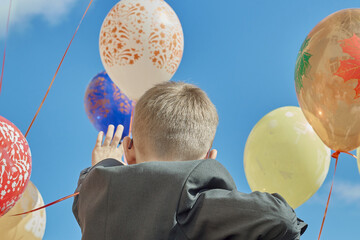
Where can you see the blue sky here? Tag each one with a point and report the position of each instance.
(242, 53)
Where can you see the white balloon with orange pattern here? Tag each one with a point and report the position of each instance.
(30, 226)
(141, 44)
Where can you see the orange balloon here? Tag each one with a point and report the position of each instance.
(327, 79)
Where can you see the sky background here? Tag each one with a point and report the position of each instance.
(242, 53)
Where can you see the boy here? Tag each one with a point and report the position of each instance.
(164, 192)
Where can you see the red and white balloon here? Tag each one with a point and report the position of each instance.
(15, 165)
(141, 44)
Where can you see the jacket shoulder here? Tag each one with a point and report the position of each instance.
(206, 175)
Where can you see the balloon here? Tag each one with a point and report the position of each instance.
(30, 226)
(284, 155)
(327, 79)
(106, 104)
(358, 158)
(141, 44)
(15, 165)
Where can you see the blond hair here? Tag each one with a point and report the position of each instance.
(176, 121)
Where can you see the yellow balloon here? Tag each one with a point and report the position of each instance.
(30, 226)
(284, 155)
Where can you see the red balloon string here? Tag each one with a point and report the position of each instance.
(42, 102)
(47, 205)
(349, 154)
(77, 193)
(336, 156)
(57, 70)
(6, 35)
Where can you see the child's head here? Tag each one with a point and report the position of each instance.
(172, 121)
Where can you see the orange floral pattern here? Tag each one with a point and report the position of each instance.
(123, 25)
(95, 98)
(106, 104)
(125, 105)
(135, 30)
(166, 41)
(98, 101)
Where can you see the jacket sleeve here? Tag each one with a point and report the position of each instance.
(213, 209)
(83, 174)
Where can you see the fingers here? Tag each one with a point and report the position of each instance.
(117, 137)
(213, 154)
(99, 139)
(109, 135)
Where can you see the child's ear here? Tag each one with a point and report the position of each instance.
(212, 154)
(129, 150)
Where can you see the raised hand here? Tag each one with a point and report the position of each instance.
(110, 147)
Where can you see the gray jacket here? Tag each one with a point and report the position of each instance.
(188, 200)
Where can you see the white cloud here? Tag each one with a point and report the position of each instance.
(344, 193)
(347, 191)
(24, 11)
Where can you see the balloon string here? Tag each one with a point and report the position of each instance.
(57, 70)
(42, 102)
(76, 193)
(336, 156)
(6, 35)
(47, 205)
(348, 154)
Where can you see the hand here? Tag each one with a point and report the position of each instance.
(110, 148)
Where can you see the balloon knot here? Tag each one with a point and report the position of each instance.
(336, 154)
